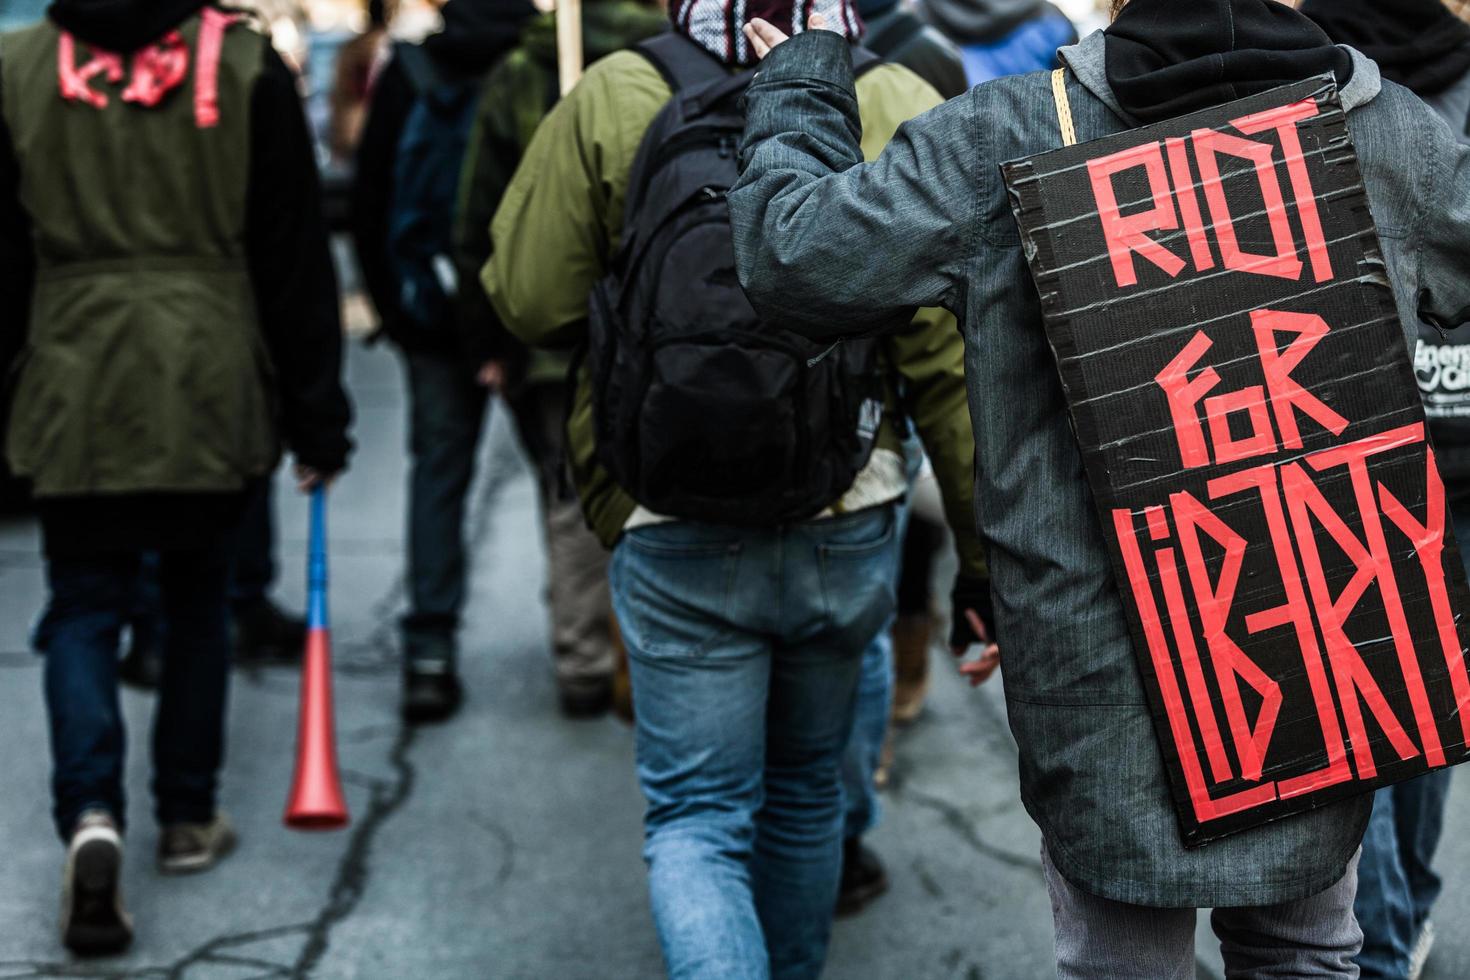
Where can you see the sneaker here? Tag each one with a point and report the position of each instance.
(1422, 946)
(267, 634)
(142, 666)
(863, 878)
(430, 695)
(586, 700)
(93, 920)
(187, 848)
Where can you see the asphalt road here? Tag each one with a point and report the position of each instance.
(506, 844)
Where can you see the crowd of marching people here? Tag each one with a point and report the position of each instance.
(744, 286)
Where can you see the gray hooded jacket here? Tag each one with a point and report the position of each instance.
(832, 246)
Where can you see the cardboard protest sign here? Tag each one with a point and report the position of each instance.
(1240, 384)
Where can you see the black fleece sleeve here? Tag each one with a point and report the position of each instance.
(17, 263)
(372, 188)
(291, 268)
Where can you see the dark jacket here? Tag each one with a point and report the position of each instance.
(898, 34)
(822, 239)
(290, 303)
(516, 96)
(476, 34)
(997, 38)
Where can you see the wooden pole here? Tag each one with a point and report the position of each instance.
(568, 43)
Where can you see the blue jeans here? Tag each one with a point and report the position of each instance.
(1396, 884)
(745, 648)
(446, 415)
(91, 600)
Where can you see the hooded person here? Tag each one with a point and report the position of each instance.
(896, 32)
(1423, 46)
(745, 643)
(997, 38)
(173, 330)
(823, 239)
(406, 195)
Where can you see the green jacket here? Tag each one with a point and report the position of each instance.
(144, 368)
(558, 227)
(516, 96)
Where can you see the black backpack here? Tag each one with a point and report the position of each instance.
(702, 410)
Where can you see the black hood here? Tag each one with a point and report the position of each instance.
(121, 25)
(477, 32)
(1169, 57)
(1417, 43)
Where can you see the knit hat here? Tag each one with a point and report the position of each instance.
(715, 25)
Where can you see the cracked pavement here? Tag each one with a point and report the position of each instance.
(506, 844)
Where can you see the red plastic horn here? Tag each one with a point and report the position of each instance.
(316, 801)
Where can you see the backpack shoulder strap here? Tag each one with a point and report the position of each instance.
(417, 66)
(864, 60)
(900, 30)
(681, 62)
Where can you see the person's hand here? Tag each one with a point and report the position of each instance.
(763, 35)
(983, 667)
(491, 375)
(309, 478)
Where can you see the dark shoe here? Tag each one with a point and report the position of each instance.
(430, 697)
(266, 634)
(187, 848)
(141, 666)
(93, 920)
(586, 700)
(863, 878)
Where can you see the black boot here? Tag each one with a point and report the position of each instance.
(863, 878)
(430, 697)
(142, 665)
(585, 700)
(267, 634)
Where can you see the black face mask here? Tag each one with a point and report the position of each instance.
(1166, 58)
(121, 26)
(1417, 43)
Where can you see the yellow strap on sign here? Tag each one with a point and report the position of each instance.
(1064, 106)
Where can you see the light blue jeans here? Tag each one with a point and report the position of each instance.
(745, 647)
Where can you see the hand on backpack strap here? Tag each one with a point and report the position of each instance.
(972, 614)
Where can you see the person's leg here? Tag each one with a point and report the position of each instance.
(700, 678)
(836, 583)
(869, 727)
(447, 410)
(254, 567)
(189, 726)
(1097, 937)
(1315, 936)
(577, 590)
(78, 634)
(1384, 904)
(1419, 806)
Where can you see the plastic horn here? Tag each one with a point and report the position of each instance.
(316, 801)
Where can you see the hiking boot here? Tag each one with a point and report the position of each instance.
(93, 920)
(430, 696)
(863, 878)
(911, 634)
(187, 848)
(587, 699)
(267, 634)
(142, 666)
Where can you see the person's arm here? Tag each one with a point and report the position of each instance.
(560, 219)
(372, 187)
(829, 246)
(490, 161)
(291, 269)
(1444, 235)
(17, 262)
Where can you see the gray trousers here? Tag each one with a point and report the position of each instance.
(1099, 939)
(577, 591)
